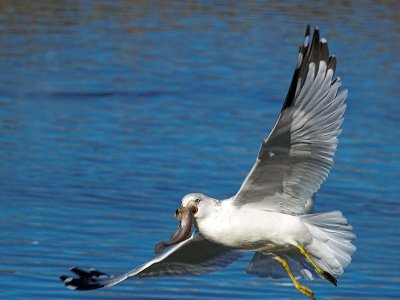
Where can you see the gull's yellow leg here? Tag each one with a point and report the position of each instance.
(301, 288)
(320, 271)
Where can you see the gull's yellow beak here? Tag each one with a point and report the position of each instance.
(177, 212)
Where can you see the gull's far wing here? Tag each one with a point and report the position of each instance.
(265, 266)
(298, 154)
(194, 256)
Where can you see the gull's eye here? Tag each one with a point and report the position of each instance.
(197, 201)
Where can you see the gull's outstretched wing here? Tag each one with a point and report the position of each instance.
(298, 154)
(194, 256)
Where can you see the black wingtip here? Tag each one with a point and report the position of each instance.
(80, 272)
(314, 47)
(307, 30)
(303, 48)
(332, 63)
(86, 280)
(313, 50)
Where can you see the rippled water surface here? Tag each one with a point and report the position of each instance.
(111, 111)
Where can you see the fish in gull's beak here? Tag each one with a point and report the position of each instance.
(185, 217)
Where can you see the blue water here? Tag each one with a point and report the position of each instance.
(111, 111)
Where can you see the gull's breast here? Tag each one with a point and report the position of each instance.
(255, 230)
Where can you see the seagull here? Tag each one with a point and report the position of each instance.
(270, 215)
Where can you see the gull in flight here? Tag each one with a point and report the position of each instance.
(270, 214)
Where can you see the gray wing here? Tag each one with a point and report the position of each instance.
(194, 256)
(298, 154)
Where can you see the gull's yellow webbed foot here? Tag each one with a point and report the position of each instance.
(320, 271)
(301, 288)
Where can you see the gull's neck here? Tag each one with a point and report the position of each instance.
(213, 226)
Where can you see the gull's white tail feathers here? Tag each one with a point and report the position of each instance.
(331, 246)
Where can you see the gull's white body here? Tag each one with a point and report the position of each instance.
(252, 229)
(326, 236)
(269, 215)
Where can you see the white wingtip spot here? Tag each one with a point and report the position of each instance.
(67, 281)
(299, 60)
(306, 40)
(323, 40)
